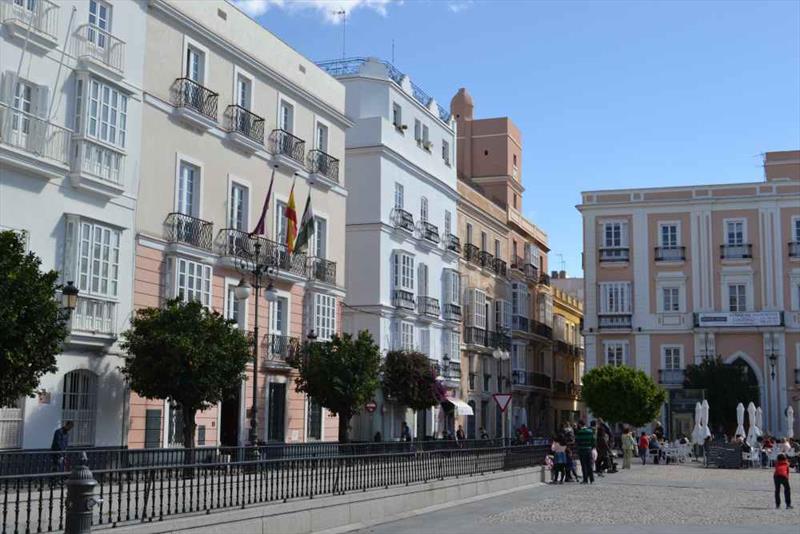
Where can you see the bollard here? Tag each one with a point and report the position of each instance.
(80, 498)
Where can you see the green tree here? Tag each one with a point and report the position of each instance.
(340, 374)
(409, 379)
(725, 385)
(185, 353)
(33, 326)
(622, 394)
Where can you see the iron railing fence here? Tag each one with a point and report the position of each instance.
(243, 121)
(187, 93)
(182, 228)
(287, 144)
(324, 164)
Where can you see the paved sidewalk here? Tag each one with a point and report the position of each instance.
(653, 499)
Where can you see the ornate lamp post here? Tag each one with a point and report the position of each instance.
(261, 269)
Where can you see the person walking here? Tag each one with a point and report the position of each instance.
(60, 444)
(405, 432)
(584, 441)
(559, 448)
(644, 445)
(628, 446)
(781, 478)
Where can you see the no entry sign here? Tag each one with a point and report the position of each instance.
(371, 406)
(502, 400)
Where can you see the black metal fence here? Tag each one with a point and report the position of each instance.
(35, 503)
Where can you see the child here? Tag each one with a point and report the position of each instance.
(781, 478)
(560, 450)
(644, 445)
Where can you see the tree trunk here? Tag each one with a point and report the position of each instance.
(344, 423)
(189, 426)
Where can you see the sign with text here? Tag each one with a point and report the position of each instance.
(734, 319)
(502, 400)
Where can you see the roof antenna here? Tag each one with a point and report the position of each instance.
(342, 13)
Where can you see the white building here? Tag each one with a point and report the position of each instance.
(402, 280)
(70, 108)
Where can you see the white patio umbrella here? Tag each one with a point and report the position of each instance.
(789, 422)
(759, 421)
(740, 419)
(751, 424)
(706, 430)
(697, 436)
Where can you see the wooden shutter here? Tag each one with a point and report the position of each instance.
(469, 305)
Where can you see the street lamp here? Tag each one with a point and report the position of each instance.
(773, 358)
(261, 270)
(69, 297)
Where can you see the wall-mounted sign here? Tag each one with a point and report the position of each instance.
(722, 319)
(371, 406)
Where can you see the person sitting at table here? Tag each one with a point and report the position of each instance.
(784, 446)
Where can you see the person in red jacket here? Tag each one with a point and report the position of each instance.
(644, 445)
(781, 478)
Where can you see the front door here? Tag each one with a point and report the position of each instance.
(276, 412)
(229, 421)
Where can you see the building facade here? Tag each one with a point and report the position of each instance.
(402, 254)
(227, 105)
(70, 131)
(517, 315)
(567, 353)
(673, 275)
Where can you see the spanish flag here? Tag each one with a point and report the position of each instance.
(291, 222)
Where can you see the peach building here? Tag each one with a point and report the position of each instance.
(226, 104)
(675, 274)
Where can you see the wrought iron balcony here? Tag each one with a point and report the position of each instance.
(278, 347)
(41, 16)
(403, 299)
(499, 267)
(428, 306)
(670, 253)
(518, 322)
(429, 232)
(98, 45)
(452, 312)
(452, 371)
(94, 315)
(561, 347)
(238, 243)
(486, 260)
(614, 321)
(794, 249)
(322, 270)
(452, 243)
(736, 252)
(670, 377)
(34, 135)
(233, 242)
(323, 164)
(531, 272)
(521, 377)
(472, 253)
(614, 254)
(294, 263)
(182, 228)
(244, 122)
(188, 94)
(403, 219)
(541, 329)
(500, 340)
(476, 336)
(544, 279)
(284, 143)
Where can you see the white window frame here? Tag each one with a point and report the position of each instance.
(231, 303)
(250, 79)
(12, 424)
(448, 223)
(794, 230)
(198, 194)
(452, 287)
(621, 350)
(321, 125)
(669, 350)
(403, 271)
(666, 224)
(399, 196)
(82, 410)
(729, 295)
(624, 238)
(670, 299)
(103, 106)
(397, 115)
(284, 102)
(406, 335)
(236, 181)
(323, 324)
(733, 220)
(196, 271)
(205, 74)
(737, 277)
(623, 303)
(794, 281)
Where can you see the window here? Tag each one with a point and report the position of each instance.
(668, 235)
(502, 315)
(484, 240)
(322, 137)
(469, 234)
(398, 196)
(403, 271)
(192, 281)
(11, 424)
(615, 297)
(188, 189)
(452, 286)
(616, 352)
(239, 201)
(406, 336)
(476, 308)
(532, 254)
(451, 345)
(796, 229)
(425, 138)
(319, 239)
(446, 152)
(737, 297)
(487, 374)
(670, 299)
(397, 115)
(280, 222)
(423, 209)
(615, 234)
(545, 301)
(195, 64)
(314, 422)
(516, 204)
(106, 113)
(324, 315)
(496, 248)
(425, 342)
(79, 405)
(515, 160)
(422, 284)
(734, 232)
(23, 99)
(286, 117)
(244, 91)
(100, 19)
(175, 425)
(417, 131)
(234, 309)
(448, 223)
(518, 360)
(519, 299)
(97, 250)
(279, 320)
(672, 358)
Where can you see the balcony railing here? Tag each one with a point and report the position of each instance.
(518, 322)
(452, 371)
(322, 270)
(670, 253)
(531, 272)
(283, 143)
(429, 232)
(452, 243)
(794, 249)
(99, 45)
(321, 163)
(476, 336)
(403, 219)
(452, 312)
(242, 121)
(541, 329)
(187, 93)
(233, 242)
(614, 321)
(612, 254)
(428, 306)
(670, 377)
(486, 260)
(403, 299)
(517, 262)
(98, 161)
(94, 315)
(33, 134)
(41, 15)
(561, 347)
(472, 253)
(279, 346)
(181, 228)
(499, 267)
(544, 279)
(238, 243)
(736, 252)
(521, 377)
(500, 340)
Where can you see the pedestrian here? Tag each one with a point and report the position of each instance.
(484, 434)
(584, 441)
(572, 475)
(460, 434)
(644, 445)
(405, 433)
(559, 448)
(781, 478)
(602, 450)
(628, 447)
(524, 434)
(60, 444)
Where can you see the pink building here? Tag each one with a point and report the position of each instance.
(675, 274)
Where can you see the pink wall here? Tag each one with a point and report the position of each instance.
(753, 233)
(653, 219)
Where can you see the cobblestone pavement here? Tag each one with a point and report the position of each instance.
(652, 499)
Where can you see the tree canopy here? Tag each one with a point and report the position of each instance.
(409, 379)
(185, 353)
(622, 394)
(340, 374)
(33, 324)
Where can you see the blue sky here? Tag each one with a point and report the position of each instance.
(607, 94)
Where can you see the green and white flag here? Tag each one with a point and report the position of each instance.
(306, 226)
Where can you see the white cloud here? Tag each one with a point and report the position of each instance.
(457, 6)
(327, 8)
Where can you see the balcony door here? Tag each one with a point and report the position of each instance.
(237, 216)
(276, 411)
(279, 317)
(188, 185)
(21, 116)
(322, 138)
(100, 23)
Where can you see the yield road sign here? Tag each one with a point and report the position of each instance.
(502, 400)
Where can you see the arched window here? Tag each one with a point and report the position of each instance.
(79, 405)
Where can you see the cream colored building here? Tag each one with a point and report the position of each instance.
(676, 274)
(225, 103)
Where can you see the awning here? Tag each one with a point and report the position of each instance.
(462, 408)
